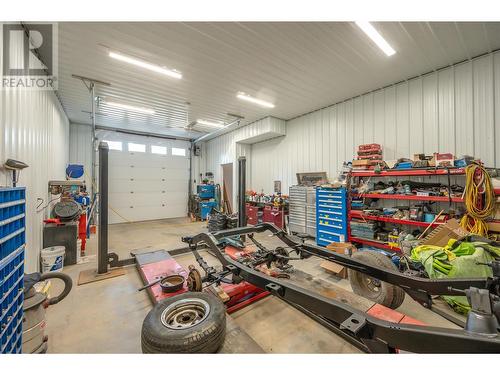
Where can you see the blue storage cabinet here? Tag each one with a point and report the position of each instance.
(331, 215)
(12, 242)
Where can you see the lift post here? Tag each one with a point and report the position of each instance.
(108, 264)
(242, 171)
(102, 239)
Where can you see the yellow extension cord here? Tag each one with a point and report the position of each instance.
(473, 220)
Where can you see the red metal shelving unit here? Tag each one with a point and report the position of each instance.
(374, 243)
(409, 197)
(399, 173)
(359, 215)
(409, 172)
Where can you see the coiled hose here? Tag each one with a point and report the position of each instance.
(480, 199)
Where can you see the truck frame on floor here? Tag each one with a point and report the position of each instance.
(479, 336)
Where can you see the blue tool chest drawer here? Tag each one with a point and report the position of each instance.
(331, 215)
(12, 240)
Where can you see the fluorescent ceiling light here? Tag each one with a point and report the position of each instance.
(210, 123)
(127, 107)
(248, 98)
(374, 35)
(145, 65)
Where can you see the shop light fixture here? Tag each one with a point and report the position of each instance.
(248, 98)
(128, 107)
(210, 123)
(145, 65)
(374, 35)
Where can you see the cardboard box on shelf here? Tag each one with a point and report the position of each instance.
(442, 160)
(443, 233)
(345, 248)
(337, 269)
(361, 163)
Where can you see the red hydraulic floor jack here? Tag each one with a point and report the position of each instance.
(158, 264)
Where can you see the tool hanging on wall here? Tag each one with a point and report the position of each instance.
(15, 166)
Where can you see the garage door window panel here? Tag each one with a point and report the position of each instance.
(178, 151)
(114, 145)
(158, 150)
(136, 147)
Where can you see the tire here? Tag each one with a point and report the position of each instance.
(193, 322)
(378, 291)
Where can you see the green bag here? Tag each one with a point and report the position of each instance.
(461, 262)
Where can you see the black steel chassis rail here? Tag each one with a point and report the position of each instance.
(378, 335)
(419, 288)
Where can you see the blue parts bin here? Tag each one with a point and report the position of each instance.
(404, 165)
(12, 242)
(331, 215)
(206, 191)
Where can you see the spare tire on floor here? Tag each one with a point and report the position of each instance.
(193, 322)
(378, 291)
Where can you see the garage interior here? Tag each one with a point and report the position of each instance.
(251, 187)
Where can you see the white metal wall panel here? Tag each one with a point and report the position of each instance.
(325, 121)
(229, 146)
(330, 131)
(341, 136)
(416, 123)
(464, 109)
(378, 118)
(368, 135)
(496, 74)
(446, 105)
(80, 147)
(390, 141)
(358, 121)
(349, 121)
(402, 134)
(453, 110)
(431, 118)
(484, 140)
(35, 130)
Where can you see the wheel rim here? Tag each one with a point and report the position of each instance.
(185, 313)
(372, 285)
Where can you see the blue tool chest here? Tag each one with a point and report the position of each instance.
(331, 215)
(12, 241)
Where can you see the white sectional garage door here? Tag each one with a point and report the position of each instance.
(146, 185)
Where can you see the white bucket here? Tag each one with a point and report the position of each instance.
(52, 258)
(78, 251)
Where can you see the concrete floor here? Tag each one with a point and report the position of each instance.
(106, 316)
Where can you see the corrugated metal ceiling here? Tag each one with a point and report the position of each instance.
(298, 66)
